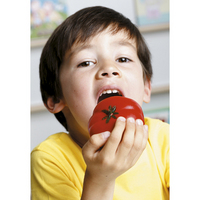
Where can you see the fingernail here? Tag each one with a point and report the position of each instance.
(139, 122)
(146, 127)
(122, 119)
(106, 134)
(131, 119)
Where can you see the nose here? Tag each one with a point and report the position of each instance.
(108, 71)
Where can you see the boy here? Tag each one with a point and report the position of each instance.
(95, 51)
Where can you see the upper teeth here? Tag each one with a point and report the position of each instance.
(109, 92)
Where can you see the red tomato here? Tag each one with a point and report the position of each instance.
(108, 110)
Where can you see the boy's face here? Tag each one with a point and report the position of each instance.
(105, 62)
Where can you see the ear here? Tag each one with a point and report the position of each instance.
(147, 91)
(54, 107)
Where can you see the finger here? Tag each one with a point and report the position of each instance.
(137, 152)
(138, 140)
(95, 142)
(128, 138)
(115, 137)
(146, 136)
(139, 135)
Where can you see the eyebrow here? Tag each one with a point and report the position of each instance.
(124, 43)
(78, 49)
(88, 46)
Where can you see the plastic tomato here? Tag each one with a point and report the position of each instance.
(108, 110)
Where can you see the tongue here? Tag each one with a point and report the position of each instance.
(105, 96)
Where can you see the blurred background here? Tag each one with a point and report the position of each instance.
(151, 17)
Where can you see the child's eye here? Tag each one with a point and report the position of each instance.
(86, 64)
(123, 59)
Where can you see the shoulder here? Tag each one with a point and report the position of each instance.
(158, 133)
(57, 163)
(156, 123)
(59, 139)
(158, 137)
(157, 127)
(58, 146)
(159, 144)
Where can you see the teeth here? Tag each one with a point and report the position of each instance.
(104, 92)
(114, 91)
(109, 92)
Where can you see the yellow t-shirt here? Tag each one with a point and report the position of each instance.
(57, 169)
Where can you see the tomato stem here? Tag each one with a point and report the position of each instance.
(110, 113)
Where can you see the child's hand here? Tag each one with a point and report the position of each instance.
(121, 150)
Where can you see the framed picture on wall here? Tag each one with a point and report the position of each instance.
(152, 14)
(46, 15)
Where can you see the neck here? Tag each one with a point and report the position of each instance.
(79, 141)
(77, 133)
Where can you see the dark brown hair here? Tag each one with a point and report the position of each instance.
(79, 27)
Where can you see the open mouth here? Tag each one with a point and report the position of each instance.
(109, 93)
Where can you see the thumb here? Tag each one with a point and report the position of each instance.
(95, 142)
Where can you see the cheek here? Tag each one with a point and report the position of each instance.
(74, 91)
(135, 84)
(71, 84)
(134, 78)
(77, 93)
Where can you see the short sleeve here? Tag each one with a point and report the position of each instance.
(167, 170)
(49, 180)
(165, 149)
(159, 139)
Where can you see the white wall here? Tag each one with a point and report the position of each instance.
(44, 124)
